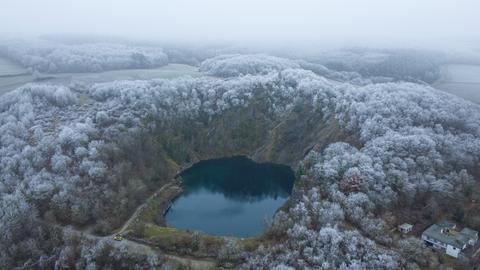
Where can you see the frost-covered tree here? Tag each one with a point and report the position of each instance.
(91, 160)
(51, 57)
(240, 64)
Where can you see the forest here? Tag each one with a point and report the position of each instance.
(84, 156)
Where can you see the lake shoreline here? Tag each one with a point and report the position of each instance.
(230, 196)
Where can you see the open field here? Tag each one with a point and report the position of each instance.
(8, 68)
(460, 80)
(9, 82)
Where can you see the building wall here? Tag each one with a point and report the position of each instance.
(435, 243)
(452, 251)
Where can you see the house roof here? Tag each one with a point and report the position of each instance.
(472, 234)
(447, 224)
(452, 237)
(406, 226)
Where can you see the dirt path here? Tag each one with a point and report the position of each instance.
(141, 207)
(186, 261)
(193, 263)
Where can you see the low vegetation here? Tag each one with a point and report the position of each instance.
(362, 150)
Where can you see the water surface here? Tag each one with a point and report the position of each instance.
(230, 196)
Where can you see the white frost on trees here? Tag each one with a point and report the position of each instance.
(412, 141)
(239, 64)
(50, 57)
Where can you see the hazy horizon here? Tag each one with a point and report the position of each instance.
(239, 134)
(272, 23)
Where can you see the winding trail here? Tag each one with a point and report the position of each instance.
(186, 261)
(141, 207)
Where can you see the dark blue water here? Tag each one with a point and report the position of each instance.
(230, 196)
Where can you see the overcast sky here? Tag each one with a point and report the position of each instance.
(247, 20)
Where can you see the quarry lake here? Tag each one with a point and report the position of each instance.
(230, 196)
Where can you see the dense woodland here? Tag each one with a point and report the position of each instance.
(50, 57)
(86, 155)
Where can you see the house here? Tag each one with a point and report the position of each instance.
(445, 236)
(405, 228)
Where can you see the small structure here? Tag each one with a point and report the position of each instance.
(405, 228)
(445, 236)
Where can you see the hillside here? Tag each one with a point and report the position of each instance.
(365, 153)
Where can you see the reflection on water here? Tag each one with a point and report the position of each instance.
(230, 196)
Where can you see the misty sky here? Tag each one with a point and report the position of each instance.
(246, 20)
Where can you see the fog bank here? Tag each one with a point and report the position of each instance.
(269, 22)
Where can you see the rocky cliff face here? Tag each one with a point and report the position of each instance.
(90, 155)
(255, 132)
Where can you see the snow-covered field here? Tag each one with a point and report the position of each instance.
(8, 68)
(461, 80)
(9, 83)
